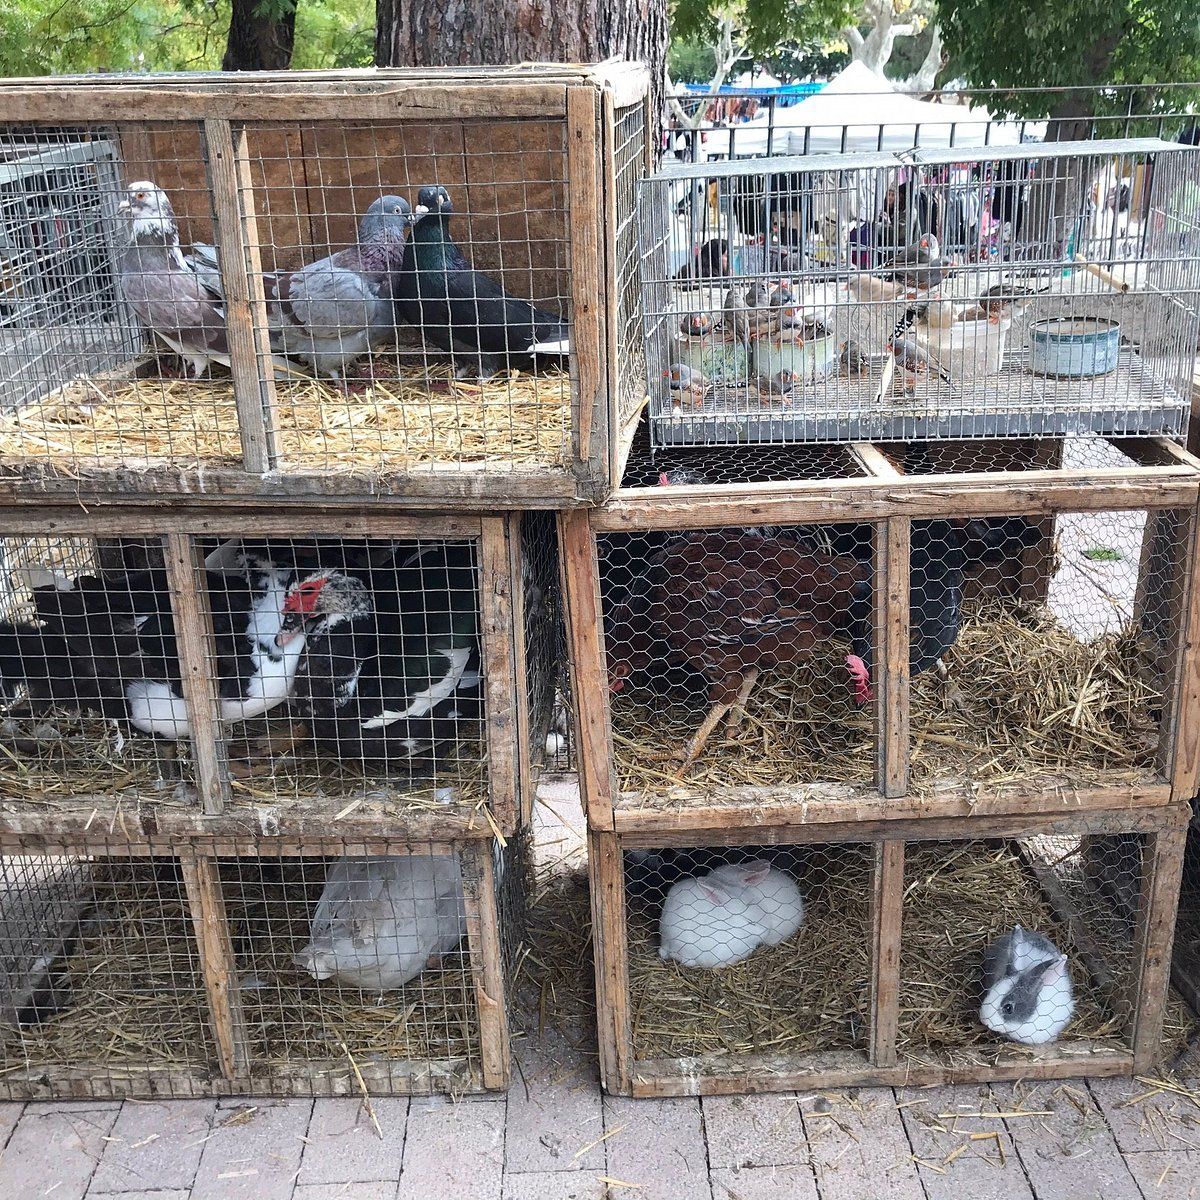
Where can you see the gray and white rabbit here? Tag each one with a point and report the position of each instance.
(381, 921)
(1027, 988)
(723, 917)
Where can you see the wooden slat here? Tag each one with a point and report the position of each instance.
(207, 904)
(236, 233)
(664, 1077)
(1163, 868)
(499, 670)
(822, 805)
(192, 616)
(868, 499)
(589, 674)
(769, 830)
(487, 964)
(587, 316)
(526, 782)
(1038, 561)
(891, 621)
(887, 914)
(1179, 755)
(874, 461)
(611, 953)
(610, 453)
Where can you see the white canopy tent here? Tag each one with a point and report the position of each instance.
(858, 111)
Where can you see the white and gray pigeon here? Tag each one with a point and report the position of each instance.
(333, 311)
(168, 297)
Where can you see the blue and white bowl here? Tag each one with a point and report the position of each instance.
(1074, 346)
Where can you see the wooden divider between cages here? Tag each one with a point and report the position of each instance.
(588, 322)
(503, 673)
(236, 232)
(1164, 827)
(891, 623)
(487, 962)
(1179, 754)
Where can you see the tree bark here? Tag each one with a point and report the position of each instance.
(436, 33)
(261, 35)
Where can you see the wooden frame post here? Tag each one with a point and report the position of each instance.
(587, 316)
(1162, 869)
(891, 624)
(487, 960)
(192, 615)
(202, 882)
(887, 916)
(1179, 753)
(589, 674)
(610, 951)
(522, 731)
(500, 675)
(237, 239)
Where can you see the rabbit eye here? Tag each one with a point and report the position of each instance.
(1006, 1008)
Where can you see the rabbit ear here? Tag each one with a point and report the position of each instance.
(715, 894)
(1018, 935)
(756, 872)
(1055, 969)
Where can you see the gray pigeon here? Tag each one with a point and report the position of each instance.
(333, 311)
(166, 294)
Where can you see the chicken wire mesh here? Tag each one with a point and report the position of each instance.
(1009, 946)
(759, 951)
(410, 287)
(319, 970)
(345, 671)
(973, 293)
(1042, 648)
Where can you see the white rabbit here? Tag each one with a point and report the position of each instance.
(721, 918)
(1027, 988)
(380, 920)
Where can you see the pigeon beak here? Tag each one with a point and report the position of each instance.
(124, 206)
(420, 210)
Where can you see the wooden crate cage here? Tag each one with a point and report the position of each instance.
(1057, 580)
(199, 967)
(167, 663)
(777, 957)
(538, 165)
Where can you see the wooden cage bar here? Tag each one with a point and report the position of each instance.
(235, 1061)
(880, 1062)
(1160, 478)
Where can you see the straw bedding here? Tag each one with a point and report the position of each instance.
(392, 424)
(1024, 701)
(135, 995)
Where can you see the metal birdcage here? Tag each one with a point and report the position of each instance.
(1031, 290)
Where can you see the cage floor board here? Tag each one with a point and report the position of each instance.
(1012, 402)
(383, 425)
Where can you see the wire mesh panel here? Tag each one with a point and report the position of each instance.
(334, 295)
(976, 293)
(298, 675)
(750, 959)
(101, 988)
(324, 968)
(1023, 949)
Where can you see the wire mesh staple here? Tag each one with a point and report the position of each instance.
(322, 968)
(354, 301)
(1046, 289)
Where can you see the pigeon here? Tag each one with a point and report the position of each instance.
(333, 311)
(461, 310)
(686, 383)
(919, 266)
(912, 359)
(852, 362)
(169, 298)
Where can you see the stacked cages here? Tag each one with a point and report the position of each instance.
(913, 951)
(990, 292)
(927, 627)
(379, 668)
(347, 286)
(323, 966)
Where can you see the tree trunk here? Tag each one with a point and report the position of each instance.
(261, 34)
(436, 33)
